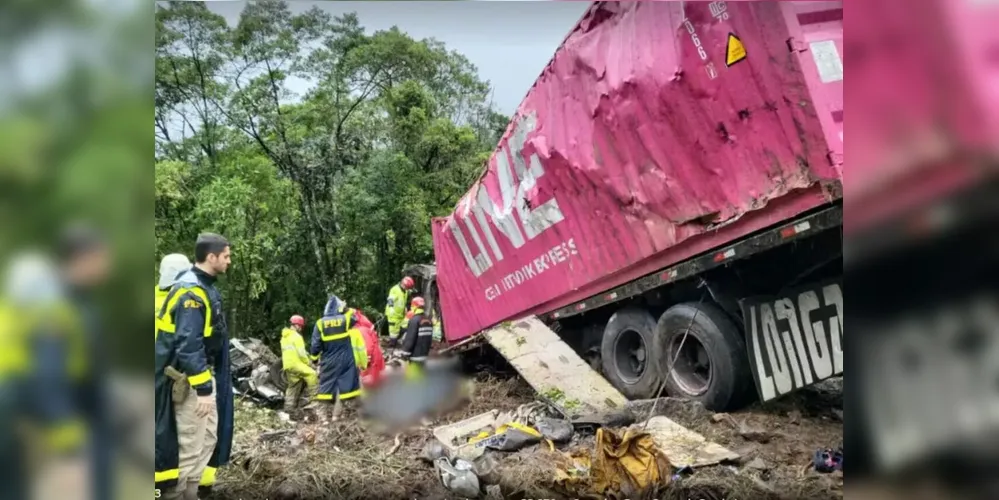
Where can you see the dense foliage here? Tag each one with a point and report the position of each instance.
(327, 190)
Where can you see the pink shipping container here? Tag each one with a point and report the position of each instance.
(658, 131)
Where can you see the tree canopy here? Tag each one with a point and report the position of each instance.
(321, 151)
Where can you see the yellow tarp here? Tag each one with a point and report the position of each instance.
(625, 463)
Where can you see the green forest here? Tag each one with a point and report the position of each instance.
(326, 190)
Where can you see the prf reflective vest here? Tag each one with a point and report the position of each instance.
(175, 348)
(330, 331)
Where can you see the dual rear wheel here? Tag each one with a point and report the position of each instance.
(708, 364)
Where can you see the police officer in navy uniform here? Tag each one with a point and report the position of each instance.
(339, 347)
(194, 410)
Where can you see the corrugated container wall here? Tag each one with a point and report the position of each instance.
(658, 131)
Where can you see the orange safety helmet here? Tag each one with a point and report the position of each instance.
(407, 283)
(298, 320)
(417, 302)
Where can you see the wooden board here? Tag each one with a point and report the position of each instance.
(552, 368)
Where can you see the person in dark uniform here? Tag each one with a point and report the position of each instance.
(418, 339)
(339, 348)
(193, 425)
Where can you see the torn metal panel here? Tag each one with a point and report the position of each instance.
(659, 130)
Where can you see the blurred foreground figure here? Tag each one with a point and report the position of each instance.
(85, 261)
(42, 361)
(193, 431)
(342, 356)
(295, 362)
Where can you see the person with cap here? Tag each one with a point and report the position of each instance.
(341, 353)
(395, 308)
(419, 338)
(298, 371)
(194, 431)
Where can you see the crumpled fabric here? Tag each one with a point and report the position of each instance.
(628, 463)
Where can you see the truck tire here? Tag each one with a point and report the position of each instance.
(713, 365)
(626, 353)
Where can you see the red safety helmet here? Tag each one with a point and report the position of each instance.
(298, 320)
(407, 282)
(417, 302)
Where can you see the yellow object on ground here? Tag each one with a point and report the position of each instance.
(627, 463)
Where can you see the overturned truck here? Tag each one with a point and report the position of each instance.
(667, 199)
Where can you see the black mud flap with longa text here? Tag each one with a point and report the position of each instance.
(795, 339)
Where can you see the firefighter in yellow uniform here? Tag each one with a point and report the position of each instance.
(395, 309)
(295, 361)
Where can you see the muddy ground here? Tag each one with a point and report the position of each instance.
(275, 459)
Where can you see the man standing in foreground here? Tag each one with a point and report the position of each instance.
(395, 309)
(192, 338)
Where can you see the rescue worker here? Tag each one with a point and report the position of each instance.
(419, 338)
(370, 376)
(85, 263)
(298, 370)
(193, 428)
(170, 268)
(395, 309)
(340, 350)
(43, 367)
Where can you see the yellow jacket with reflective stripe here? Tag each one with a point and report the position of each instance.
(395, 307)
(17, 326)
(360, 349)
(161, 296)
(294, 358)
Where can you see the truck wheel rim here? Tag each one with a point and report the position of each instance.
(630, 356)
(692, 370)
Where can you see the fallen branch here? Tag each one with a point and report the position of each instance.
(398, 443)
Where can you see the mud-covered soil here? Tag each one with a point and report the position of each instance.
(276, 459)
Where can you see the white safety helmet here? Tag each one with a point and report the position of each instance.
(170, 267)
(32, 278)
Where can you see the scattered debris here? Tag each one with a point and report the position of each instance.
(557, 430)
(275, 457)
(826, 460)
(459, 477)
(395, 447)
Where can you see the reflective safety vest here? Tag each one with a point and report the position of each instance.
(161, 296)
(167, 447)
(164, 319)
(331, 329)
(18, 325)
(294, 358)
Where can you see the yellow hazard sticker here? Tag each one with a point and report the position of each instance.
(735, 51)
